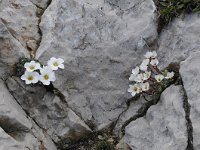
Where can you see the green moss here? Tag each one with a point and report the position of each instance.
(19, 67)
(168, 9)
(104, 145)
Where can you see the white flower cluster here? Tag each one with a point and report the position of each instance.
(147, 73)
(35, 73)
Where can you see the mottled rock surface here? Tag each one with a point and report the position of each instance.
(41, 4)
(97, 39)
(179, 39)
(49, 111)
(163, 127)
(100, 41)
(20, 19)
(10, 51)
(17, 130)
(190, 72)
(126, 115)
(122, 145)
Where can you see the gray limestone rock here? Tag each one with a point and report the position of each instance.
(100, 42)
(190, 72)
(17, 130)
(10, 51)
(49, 111)
(163, 127)
(126, 115)
(19, 16)
(42, 4)
(179, 39)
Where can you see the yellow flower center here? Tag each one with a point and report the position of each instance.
(32, 67)
(135, 89)
(46, 77)
(55, 64)
(30, 78)
(159, 79)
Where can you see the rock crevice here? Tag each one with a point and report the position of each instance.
(187, 108)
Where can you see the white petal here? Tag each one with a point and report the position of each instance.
(35, 80)
(45, 70)
(133, 93)
(27, 82)
(35, 74)
(145, 86)
(139, 90)
(159, 77)
(132, 77)
(143, 67)
(53, 67)
(60, 60)
(37, 66)
(46, 82)
(49, 63)
(53, 59)
(52, 77)
(26, 65)
(170, 75)
(148, 54)
(32, 62)
(130, 90)
(154, 54)
(136, 70)
(23, 77)
(61, 66)
(29, 70)
(130, 86)
(27, 73)
(41, 78)
(154, 62)
(145, 62)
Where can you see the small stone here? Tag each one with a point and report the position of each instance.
(100, 137)
(122, 145)
(32, 45)
(110, 140)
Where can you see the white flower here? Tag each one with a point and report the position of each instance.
(159, 77)
(55, 63)
(146, 75)
(149, 55)
(30, 77)
(134, 89)
(31, 66)
(145, 62)
(132, 77)
(145, 86)
(135, 71)
(144, 65)
(47, 75)
(154, 54)
(154, 62)
(139, 78)
(169, 75)
(134, 74)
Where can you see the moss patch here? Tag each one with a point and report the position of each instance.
(19, 71)
(95, 141)
(168, 9)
